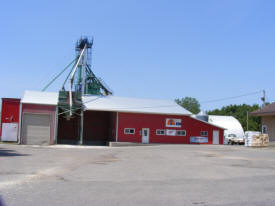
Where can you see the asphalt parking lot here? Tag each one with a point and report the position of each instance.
(145, 175)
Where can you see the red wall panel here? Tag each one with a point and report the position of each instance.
(41, 109)
(192, 126)
(10, 111)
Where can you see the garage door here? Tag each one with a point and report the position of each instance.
(36, 129)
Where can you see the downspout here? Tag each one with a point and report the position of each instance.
(20, 122)
(81, 126)
(117, 127)
(56, 125)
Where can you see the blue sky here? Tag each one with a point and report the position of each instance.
(149, 49)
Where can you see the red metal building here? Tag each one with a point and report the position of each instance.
(9, 119)
(151, 121)
(112, 119)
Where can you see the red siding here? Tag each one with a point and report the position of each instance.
(41, 109)
(10, 111)
(192, 126)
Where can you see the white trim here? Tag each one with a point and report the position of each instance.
(56, 126)
(160, 130)
(20, 122)
(181, 131)
(129, 129)
(116, 126)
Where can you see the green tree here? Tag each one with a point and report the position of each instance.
(189, 103)
(240, 112)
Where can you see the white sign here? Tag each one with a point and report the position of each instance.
(171, 132)
(199, 139)
(173, 122)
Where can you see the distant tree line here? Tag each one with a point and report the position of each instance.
(240, 112)
(237, 111)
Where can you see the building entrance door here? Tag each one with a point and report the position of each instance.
(215, 137)
(145, 135)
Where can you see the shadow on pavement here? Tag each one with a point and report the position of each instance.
(1, 202)
(9, 153)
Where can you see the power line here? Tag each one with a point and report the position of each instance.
(233, 97)
(58, 75)
(124, 108)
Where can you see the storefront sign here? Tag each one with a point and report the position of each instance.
(173, 122)
(171, 132)
(199, 139)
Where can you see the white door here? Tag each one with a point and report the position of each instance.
(145, 135)
(36, 129)
(215, 137)
(9, 132)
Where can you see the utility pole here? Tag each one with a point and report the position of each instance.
(263, 98)
(246, 120)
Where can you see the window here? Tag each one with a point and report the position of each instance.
(264, 129)
(129, 131)
(204, 133)
(160, 132)
(181, 133)
(232, 135)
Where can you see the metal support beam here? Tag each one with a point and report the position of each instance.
(81, 126)
(72, 78)
(83, 76)
(58, 75)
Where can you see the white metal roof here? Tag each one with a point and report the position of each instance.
(37, 97)
(231, 124)
(135, 105)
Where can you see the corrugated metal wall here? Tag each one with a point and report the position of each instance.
(192, 126)
(36, 109)
(36, 129)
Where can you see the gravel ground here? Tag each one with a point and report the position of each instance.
(145, 175)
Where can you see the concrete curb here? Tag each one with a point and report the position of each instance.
(128, 144)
